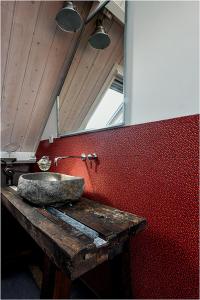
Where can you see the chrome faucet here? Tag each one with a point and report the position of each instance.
(83, 157)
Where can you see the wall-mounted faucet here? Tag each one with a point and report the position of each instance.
(83, 157)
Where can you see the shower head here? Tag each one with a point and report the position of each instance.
(68, 19)
(99, 39)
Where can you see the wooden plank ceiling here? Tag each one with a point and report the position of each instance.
(34, 58)
(88, 73)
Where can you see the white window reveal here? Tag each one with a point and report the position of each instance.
(110, 110)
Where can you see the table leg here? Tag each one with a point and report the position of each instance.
(121, 274)
(48, 279)
(55, 284)
(62, 288)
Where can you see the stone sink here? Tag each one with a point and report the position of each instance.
(48, 188)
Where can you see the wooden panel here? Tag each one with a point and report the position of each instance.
(41, 45)
(69, 247)
(87, 75)
(54, 240)
(35, 57)
(23, 28)
(107, 221)
(7, 11)
(59, 56)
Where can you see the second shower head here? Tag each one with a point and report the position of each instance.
(99, 39)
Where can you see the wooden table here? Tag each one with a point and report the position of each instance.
(76, 239)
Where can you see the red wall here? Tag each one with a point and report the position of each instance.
(150, 170)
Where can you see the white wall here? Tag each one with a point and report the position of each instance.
(162, 60)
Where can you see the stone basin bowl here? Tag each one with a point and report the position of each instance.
(46, 188)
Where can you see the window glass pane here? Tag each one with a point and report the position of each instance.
(106, 110)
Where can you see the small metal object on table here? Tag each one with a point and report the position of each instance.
(76, 239)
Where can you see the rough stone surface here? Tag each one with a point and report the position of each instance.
(50, 188)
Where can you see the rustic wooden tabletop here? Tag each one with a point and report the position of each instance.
(75, 237)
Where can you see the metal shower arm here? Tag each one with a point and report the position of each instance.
(101, 5)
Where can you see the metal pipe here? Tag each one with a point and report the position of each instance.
(83, 157)
(96, 11)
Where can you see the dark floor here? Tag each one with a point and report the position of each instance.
(20, 285)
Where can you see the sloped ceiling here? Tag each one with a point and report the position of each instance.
(35, 55)
(88, 76)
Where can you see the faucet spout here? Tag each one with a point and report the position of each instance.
(82, 157)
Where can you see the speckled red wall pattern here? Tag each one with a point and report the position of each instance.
(150, 170)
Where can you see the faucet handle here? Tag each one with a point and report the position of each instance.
(83, 156)
(92, 156)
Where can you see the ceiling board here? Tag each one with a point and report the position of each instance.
(38, 59)
(34, 55)
(87, 74)
(7, 11)
(24, 20)
(60, 55)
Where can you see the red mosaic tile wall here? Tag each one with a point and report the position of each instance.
(150, 170)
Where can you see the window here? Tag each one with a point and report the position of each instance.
(110, 109)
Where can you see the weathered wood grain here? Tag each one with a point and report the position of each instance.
(72, 251)
(108, 221)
